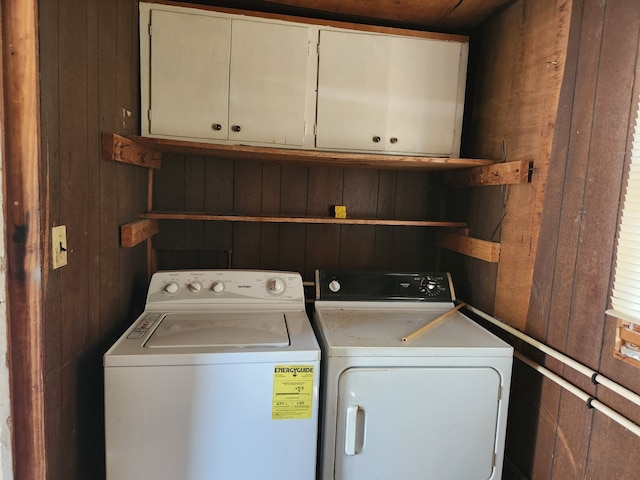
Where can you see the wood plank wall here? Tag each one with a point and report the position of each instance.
(551, 434)
(89, 84)
(573, 272)
(515, 74)
(201, 184)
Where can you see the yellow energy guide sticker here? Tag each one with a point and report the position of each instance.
(292, 392)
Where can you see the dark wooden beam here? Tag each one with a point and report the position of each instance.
(26, 235)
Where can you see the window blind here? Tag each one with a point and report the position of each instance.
(625, 298)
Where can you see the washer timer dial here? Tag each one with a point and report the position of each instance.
(276, 286)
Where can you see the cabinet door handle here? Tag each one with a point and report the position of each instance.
(376, 139)
(236, 128)
(216, 126)
(393, 140)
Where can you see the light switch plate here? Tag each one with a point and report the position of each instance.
(59, 246)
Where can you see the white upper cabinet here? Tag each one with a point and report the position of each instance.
(219, 78)
(189, 75)
(390, 94)
(234, 78)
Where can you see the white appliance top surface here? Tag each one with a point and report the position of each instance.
(178, 330)
(218, 316)
(377, 328)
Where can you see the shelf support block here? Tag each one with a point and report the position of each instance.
(508, 173)
(472, 247)
(122, 149)
(133, 233)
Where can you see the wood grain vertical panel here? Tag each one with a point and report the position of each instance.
(614, 112)
(194, 201)
(487, 205)
(293, 201)
(94, 158)
(109, 267)
(218, 195)
(74, 197)
(386, 208)
(127, 101)
(169, 195)
(247, 199)
(547, 280)
(52, 183)
(270, 234)
(592, 177)
(357, 244)
(24, 236)
(323, 241)
(413, 248)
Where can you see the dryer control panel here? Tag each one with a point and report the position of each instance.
(383, 286)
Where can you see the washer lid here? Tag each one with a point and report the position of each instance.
(220, 330)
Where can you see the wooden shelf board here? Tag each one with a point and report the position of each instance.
(297, 219)
(287, 155)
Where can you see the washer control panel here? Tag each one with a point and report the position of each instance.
(224, 287)
(382, 286)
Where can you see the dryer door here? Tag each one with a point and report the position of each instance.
(417, 422)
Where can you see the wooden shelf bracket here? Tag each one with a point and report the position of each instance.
(133, 233)
(508, 173)
(122, 149)
(472, 247)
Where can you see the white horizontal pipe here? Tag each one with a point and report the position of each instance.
(577, 366)
(585, 397)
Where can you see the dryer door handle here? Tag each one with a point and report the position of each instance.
(354, 430)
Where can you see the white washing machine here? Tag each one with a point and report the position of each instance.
(216, 380)
(434, 407)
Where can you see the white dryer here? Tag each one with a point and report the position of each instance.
(216, 380)
(431, 408)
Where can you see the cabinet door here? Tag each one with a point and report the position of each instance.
(268, 87)
(388, 93)
(423, 95)
(352, 91)
(422, 422)
(189, 75)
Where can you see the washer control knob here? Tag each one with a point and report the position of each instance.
(172, 288)
(217, 286)
(195, 287)
(334, 286)
(275, 286)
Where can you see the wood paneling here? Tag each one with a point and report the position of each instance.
(89, 76)
(272, 190)
(516, 89)
(89, 79)
(574, 255)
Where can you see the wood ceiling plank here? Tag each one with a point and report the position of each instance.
(435, 13)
